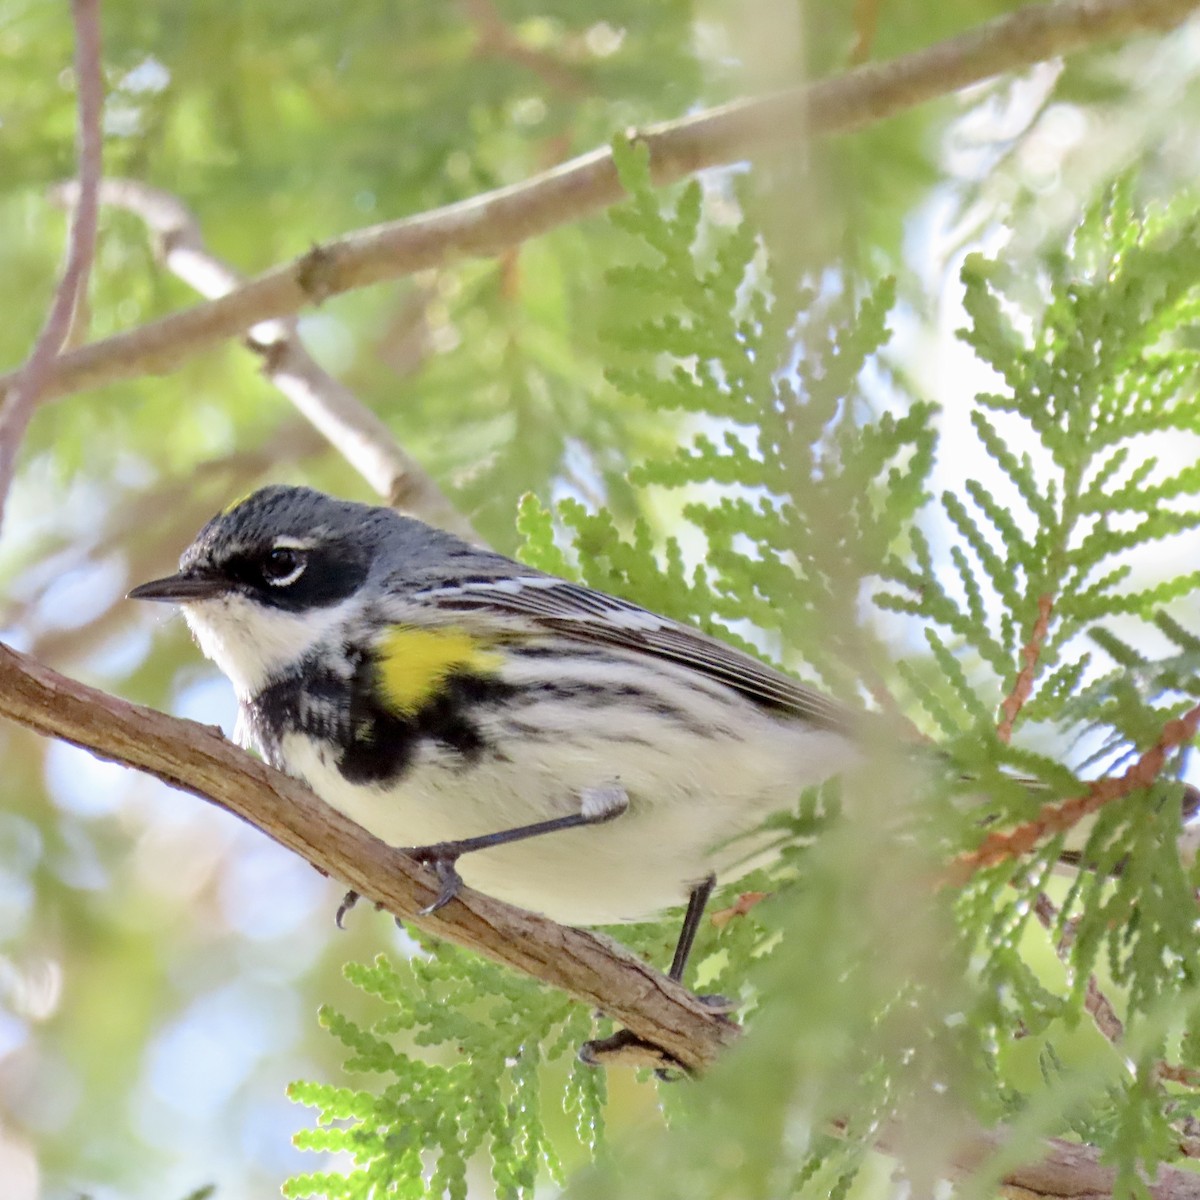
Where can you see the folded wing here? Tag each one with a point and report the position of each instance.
(575, 611)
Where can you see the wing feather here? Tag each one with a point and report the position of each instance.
(589, 616)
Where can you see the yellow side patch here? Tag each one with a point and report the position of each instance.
(414, 663)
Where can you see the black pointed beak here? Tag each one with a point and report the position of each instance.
(180, 589)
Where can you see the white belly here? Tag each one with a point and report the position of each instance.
(683, 808)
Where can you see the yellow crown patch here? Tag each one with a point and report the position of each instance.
(236, 503)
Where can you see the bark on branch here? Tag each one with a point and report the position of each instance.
(488, 224)
(353, 429)
(198, 759)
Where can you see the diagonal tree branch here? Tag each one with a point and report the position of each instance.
(198, 759)
(488, 224)
(352, 428)
(18, 401)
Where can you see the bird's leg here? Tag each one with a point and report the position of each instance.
(698, 899)
(597, 805)
(697, 902)
(624, 1046)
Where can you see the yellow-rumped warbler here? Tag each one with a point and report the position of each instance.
(450, 699)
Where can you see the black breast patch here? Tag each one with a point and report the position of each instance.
(370, 743)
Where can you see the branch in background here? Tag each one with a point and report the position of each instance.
(1065, 1171)
(1058, 818)
(1110, 1026)
(198, 759)
(350, 426)
(497, 40)
(1098, 1005)
(407, 340)
(488, 224)
(20, 398)
(866, 25)
(140, 531)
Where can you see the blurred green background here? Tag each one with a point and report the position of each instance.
(161, 964)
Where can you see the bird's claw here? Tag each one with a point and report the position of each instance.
(349, 900)
(443, 864)
(451, 882)
(721, 1005)
(626, 1049)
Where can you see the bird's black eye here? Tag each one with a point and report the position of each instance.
(283, 566)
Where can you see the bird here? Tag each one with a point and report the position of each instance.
(555, 747)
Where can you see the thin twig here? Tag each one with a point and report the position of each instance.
(1058, 818)
(197, 759)
(1022, 687)
(352, 428)
(866, 25)
(18, 401)
(1176, 1073)
(1099, 1007)
(1110, 1026)
(488, 224)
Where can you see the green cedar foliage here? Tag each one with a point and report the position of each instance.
(494, 1032)
(870, 994)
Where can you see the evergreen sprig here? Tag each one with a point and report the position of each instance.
(1091, 363)
(489, 1033)
(803, 502)
(1097, 372)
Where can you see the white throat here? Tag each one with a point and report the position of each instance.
(252, 643)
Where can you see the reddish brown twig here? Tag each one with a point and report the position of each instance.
(1057, 818)
(739, 908)
(1022, 687)
(17, 409)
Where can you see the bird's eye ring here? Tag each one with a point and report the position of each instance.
(283, 566)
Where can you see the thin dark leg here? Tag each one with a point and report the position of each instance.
(611, 1048)
(697, 903)
(443, 855)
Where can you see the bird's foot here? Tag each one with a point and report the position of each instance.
(442, 857)
(722, 1005)
(626, 1049)
(349, 900)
